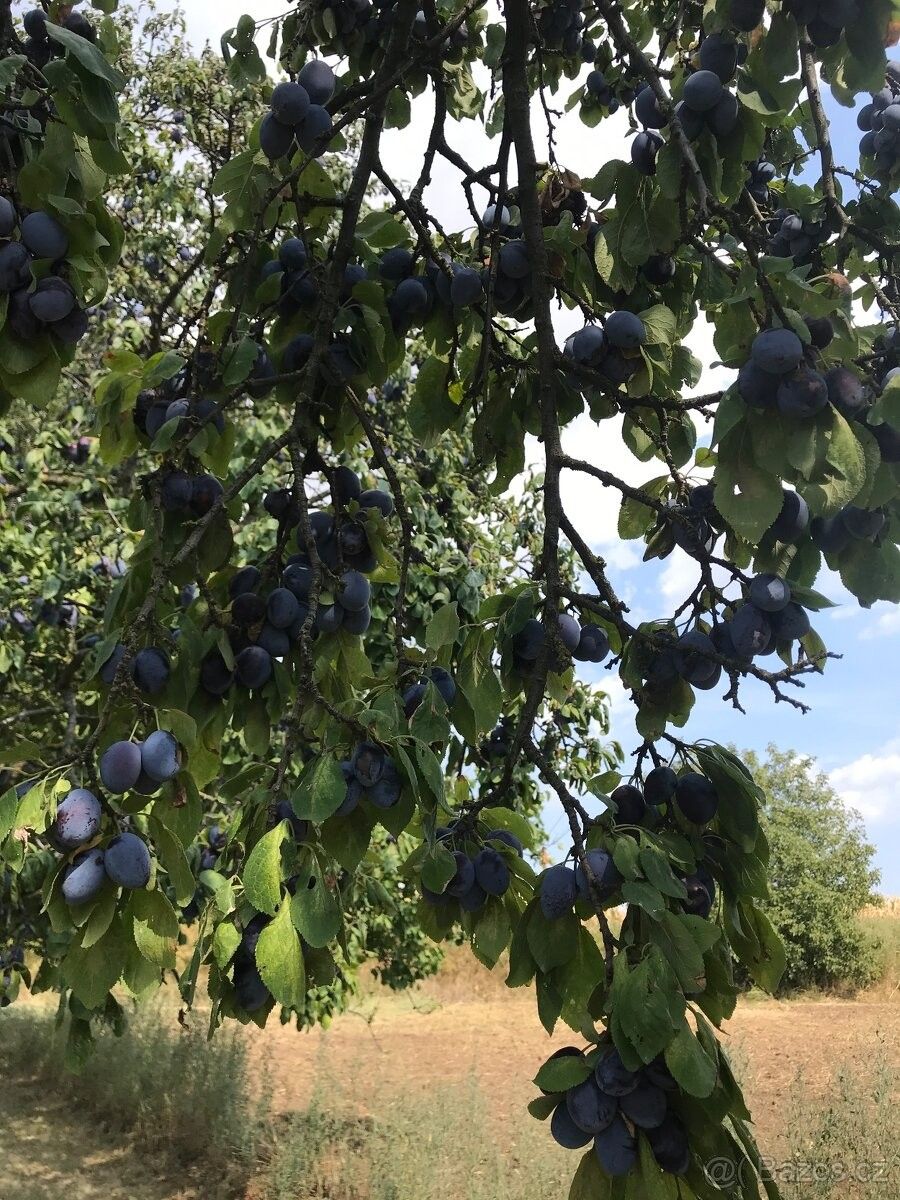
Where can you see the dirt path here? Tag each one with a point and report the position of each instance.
(52, 1153)
(418, 1046)
(500, 1044)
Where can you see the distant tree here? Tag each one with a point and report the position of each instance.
(821, 873)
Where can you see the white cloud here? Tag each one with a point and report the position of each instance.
(871, 784)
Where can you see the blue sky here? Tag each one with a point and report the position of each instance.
(853, 730)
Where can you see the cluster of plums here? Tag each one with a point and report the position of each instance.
(142, 767)
(832, 535)
(265, 622)
(587, 643)
(479, 873)
(611, 349)
(759, 175)
(767, 620)
(611, 1104)
(38, 47)
(880, 122)
(297, 114)
(825, 20)
(606, 93)
(186, 497)
(48, 304)
(794, 236)
(705, 102)
(125, 859)
(444, 683)
(151, 413)
(560, 27)
(779, 373)
(370, 774)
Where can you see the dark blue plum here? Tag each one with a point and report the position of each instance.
(697, 798)
(703, 90)
(120, 766)
(282, 608)
(44, 236)
(670, 1146)
(78, 818)
(625, 330)
(659, 786)
(613, 1077)
(464, 878)
(491, 871)
(647, 109)
(602, 868)
(275, 140)
(83, 877)
(127, 861)
(317, 79)
(616, 1149)
(777, 351)
(368, 761)
(791, 624)
(750, 631)
(150, 670)
(108, 671)
(253, 667)
(630, 806)
(528, 642)
(161, 756)
(289, 103)
(564, 1131)
(591, 1109)
(249, 990)
(386, 792)
(376, 498)
(558, 891)
(355, 591)
(793, 520)
(770, 593)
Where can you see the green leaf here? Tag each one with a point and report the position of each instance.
(155, 927)
(656, 867)
(173, 858)
(226, 940)
(590, 1182)
(552, 942)
(660, 324)
(87, 55)
(262, 872)
(491, 931)
(321, 791)
(560, 1074)
(690, 1065)
(443, 628)
(680, 950)
(649, 1004)
(316, 908)
(279, 959)
(91, 972)
(747, 496)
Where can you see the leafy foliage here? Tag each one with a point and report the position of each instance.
(332, 669)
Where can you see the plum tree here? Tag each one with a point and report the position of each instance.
(363, 630)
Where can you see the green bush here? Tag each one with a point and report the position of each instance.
(821, 875)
